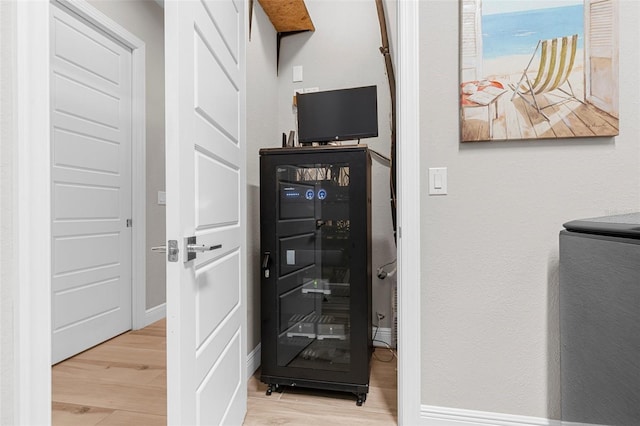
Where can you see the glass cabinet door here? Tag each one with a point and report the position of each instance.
(314, 266)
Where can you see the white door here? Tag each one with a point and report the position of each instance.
(601, 54)
(205, 148)
(91, 186)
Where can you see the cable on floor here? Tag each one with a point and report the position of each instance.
(393, 353)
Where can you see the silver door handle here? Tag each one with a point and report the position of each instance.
(191, 248)
(195, 248)
(173, 250)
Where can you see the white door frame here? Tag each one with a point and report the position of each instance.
(32, 289)
(32, 218)
(408, 176)
(32, 211)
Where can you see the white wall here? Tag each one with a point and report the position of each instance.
(490, 331)
(342, 53)
(7, 208)
(262, 132)
(145, 20)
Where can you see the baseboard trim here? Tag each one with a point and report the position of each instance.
(155, 314)
(383, 337)
(253, 360)
(443, 416)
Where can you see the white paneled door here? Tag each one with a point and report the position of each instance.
(206, 308)
(91, 186)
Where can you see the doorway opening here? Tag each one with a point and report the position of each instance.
(110, 32)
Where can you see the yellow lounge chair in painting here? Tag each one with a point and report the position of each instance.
(557, 57)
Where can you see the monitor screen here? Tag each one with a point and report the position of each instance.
(337, 115)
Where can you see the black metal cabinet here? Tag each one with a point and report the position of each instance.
(315, 221)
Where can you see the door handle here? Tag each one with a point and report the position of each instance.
(195, 248)
(265, 263)
(191, 248)
(173, 250)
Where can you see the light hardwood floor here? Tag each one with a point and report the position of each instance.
(120, 382)
(123, 382)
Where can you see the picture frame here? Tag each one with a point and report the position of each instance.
(539, 69)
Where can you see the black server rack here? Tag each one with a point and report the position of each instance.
(315, 222)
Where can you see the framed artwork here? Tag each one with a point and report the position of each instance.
(538, 69)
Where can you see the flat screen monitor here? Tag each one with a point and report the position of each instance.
(337, 115)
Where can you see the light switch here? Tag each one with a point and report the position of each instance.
(437, 180)
(162, 198)
(297, 73)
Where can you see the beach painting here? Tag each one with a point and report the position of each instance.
(538, 69)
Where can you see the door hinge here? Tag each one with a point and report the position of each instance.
(129, 223)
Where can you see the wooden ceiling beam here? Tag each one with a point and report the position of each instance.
(288, 15)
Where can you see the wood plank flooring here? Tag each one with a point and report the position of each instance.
(120, 382)
(297, 406)
(123, 382)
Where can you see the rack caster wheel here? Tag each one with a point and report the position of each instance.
(271, 388)
(361, 399)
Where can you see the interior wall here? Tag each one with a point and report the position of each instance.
(490, 320)
(262, 132)
(145, 20)
(343, 52)
(8, 270)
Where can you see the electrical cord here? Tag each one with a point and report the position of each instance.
(384, 158)
(393, 353)
(390, 263)
(382, 274)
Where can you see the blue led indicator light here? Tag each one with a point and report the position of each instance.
(322, 194)
(309, 194)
